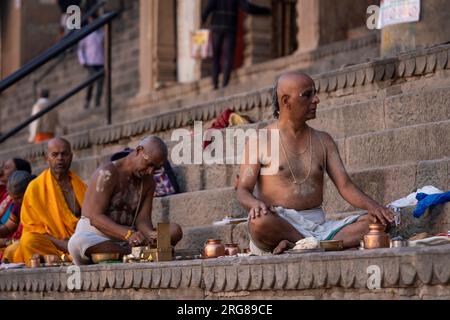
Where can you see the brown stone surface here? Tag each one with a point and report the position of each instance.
(199, 208)
(408, 144)
(406, 273)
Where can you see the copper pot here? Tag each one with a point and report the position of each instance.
(35, 263)
(213, 249)
(376, 238)
(51, 259)
(232, 249)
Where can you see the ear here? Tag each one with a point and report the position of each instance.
(285, 101)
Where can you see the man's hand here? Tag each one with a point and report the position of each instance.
(60, 244)
(378, 213)
(136, 239)
(258, 209)
(152, 237)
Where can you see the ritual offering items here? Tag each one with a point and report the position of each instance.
(332, 245)
(105, 257)
(35, 261)
(376, 238)
(399, 243)
(51, 260)
(162, 251)
(232, 249)
(213, 249)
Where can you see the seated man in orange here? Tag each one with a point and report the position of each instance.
(51, 206)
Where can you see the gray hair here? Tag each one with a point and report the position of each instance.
(19, 181)
(275, 104)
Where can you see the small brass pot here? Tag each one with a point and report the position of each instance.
(376, 238)
(35, 263)
(51, 259)
(213, 249)
(232, 249)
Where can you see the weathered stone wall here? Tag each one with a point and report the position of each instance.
(403, 273)
(17, 101)
(433, 28)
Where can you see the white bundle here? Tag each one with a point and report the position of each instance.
(307, 243)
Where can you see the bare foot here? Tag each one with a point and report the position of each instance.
(283, 246)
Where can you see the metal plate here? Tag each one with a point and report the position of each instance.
(305, 250)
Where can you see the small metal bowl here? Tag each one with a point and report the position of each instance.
(102, 257)
(332, 245)
(51, 259)
(399, 243)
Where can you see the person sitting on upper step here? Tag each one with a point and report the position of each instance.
(286, 206)
(118, 206)
(51, 206)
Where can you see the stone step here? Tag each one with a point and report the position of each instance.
(194, 238)
(374, 115)
(397, 146)
(200, 208)
(386, 184)
(433, 222)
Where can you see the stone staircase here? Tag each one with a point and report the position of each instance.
(129, 104)
(390, 119)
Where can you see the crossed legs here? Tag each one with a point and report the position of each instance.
(273, 233)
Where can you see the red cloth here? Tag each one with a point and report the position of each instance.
(221, 122)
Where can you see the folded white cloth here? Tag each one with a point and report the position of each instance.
(431, 241)
(410, 200)
(309, 223)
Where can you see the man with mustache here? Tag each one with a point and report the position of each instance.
(286, 207)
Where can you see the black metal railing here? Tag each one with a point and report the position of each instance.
(53, 105)
(61, 58)
(64, 44)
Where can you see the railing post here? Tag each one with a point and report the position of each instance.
(108, 70)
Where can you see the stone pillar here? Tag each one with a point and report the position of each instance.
(188, 18)
(258, 36)
(157, 52)
(11, 54)
(308, 20)
(29, 28)
(322, 22)
(433, 28)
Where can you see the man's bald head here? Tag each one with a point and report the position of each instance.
(59, 155)
(155, 144)
(151, 154)
(286, 85)
(58, 143)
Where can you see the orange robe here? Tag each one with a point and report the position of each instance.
(45, 212)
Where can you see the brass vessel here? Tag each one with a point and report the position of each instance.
(51, 259)
(232, 249)
(376, 238)
(213, 249)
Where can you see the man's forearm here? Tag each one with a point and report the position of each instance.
(59, 244)
(353, 195)
(109, 227)
(246, 198)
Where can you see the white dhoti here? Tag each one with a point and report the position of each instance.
(310, 223)
(85, 237)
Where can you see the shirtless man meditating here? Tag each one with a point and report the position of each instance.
(117, 209)
(286, 206)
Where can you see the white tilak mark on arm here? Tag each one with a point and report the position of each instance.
(103, 178)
